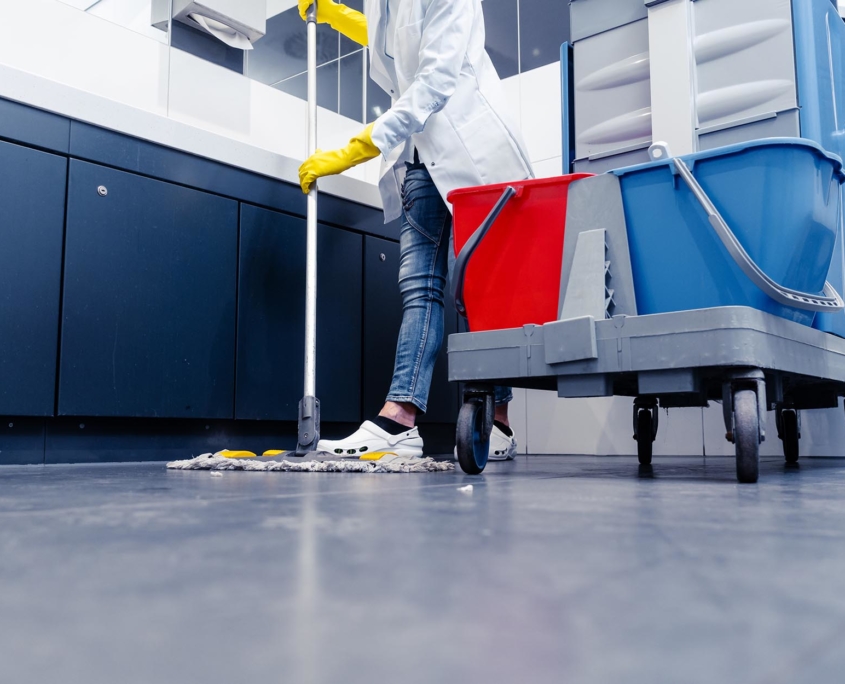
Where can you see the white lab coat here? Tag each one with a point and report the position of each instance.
(448, 101)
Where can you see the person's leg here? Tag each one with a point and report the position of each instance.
(423, 246)
(504, 396)
(423, 265)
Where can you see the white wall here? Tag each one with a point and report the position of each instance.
(537, 97)
(133, 14)
(275, 7)
(66, 45)
(89, 55)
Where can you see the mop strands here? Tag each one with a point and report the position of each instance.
(275, 461)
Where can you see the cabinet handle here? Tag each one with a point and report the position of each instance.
(102, 191)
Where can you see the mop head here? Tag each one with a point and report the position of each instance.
(276, 462)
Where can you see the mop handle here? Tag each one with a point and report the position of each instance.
(311, 239)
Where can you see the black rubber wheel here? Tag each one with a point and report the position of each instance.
(790, 435)
(747, 436)
(645, 436)
(473, 445)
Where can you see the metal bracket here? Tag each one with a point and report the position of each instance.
(309, 425)
(774, 391)
(487, 395)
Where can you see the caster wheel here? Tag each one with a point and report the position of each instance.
(645, 427)
(747, 435)
(645, 436)
(473, 441)
(790, 435)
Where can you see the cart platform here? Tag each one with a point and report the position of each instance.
(676, 356)
(749, 360)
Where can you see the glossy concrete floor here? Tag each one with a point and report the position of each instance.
(553, 569)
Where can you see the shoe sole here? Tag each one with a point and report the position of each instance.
(357, 453)
(501, 459)
(510, 457)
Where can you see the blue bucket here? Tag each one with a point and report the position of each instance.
(779, 197)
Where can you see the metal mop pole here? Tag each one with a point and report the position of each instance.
(309, 407)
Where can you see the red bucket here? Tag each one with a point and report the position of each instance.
(513, 276)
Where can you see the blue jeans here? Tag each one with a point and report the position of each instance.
(426, 258)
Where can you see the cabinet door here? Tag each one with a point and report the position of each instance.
(149, 298)
(32, 209)
(271, 318)
(382, 320)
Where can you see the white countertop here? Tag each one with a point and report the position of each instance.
(42, 93)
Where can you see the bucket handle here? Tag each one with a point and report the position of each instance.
(472, 244)
(830, 301)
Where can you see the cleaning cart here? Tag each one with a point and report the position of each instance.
(682, 281)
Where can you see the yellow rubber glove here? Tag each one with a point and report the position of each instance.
(341, 18)
(359, 150)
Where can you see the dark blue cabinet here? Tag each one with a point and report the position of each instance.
(271, 318)
(136, 283)
(382, 312)
(382, 319)
(32, 200)
(148, 325)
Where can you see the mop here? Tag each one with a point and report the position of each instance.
(304, 458)
(279, 462)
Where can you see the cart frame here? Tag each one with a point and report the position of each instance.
(749, 360)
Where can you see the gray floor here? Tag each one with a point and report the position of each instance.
(560, 570)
